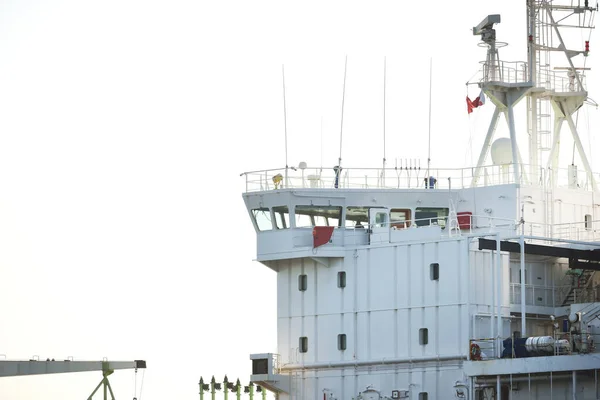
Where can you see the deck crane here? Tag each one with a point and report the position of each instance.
(10, 368)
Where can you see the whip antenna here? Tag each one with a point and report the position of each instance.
(384, 76)
(285, 125)
(321, 143)
(429, 144)
(342, 120)
(338, 168)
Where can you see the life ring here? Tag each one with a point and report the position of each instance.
(475, 352)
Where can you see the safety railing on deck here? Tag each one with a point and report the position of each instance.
(504, 71)
(515, 72)
(538, 295)
(469, 224)
(587, 231)
(553, 296)
(411, 178)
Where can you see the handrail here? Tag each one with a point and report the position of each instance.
(409, 177)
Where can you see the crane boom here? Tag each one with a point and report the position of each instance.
(34, 367)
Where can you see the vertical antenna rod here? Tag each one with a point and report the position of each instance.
(338, 168)
(384, 76)
(342, 121)
(285, 125)
(429, 144)
(321, 142)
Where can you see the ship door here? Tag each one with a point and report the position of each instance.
(379, 225)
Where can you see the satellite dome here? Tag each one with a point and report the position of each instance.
(502, 151)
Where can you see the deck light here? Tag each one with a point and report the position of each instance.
(277, 180)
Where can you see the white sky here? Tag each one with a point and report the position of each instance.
(124, 126)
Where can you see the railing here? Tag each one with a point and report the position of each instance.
(505, 72)
(552, 296)
(538, 295)
(513, 72)
(583, 231)
(411, 178)
(561, 81)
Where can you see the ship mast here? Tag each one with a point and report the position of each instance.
(558, 72)
(552, 81)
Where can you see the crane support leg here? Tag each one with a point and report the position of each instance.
(106, 388)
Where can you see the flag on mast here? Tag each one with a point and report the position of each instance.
(479, 101)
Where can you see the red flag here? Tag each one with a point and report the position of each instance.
(473, 104)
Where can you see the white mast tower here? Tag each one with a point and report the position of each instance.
(551, 89)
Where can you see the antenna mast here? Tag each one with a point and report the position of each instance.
(342, 120)
(384, 79)
(338, 168)
(285, 125)
(429, 140)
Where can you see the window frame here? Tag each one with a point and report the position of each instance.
(423, 336)
(434, 271)
(400, 224)
(268, 212)
(342, 342)
(302, 282)
(303, 344)
(341, 279)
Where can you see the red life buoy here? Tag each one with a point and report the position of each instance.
(475, 352)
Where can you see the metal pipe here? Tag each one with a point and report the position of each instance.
(499, 294)
(213, 391)
(470, 324)
(498, 387)
(574, 391)
(513, 138)
(523, 312)
(493, 296)
(358, 363)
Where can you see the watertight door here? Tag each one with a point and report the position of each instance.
(379, 225)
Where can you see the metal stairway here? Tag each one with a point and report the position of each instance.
(580, 282)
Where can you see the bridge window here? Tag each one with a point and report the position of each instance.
(431, 216)
(262, 217)
(357, 217)
(282, 217)
(400, 218)
(308, 216)
(423, 396)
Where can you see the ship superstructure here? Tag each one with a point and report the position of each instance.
(476, 283)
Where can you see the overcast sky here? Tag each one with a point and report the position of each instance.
(124, 126)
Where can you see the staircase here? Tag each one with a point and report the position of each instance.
(577, 284)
